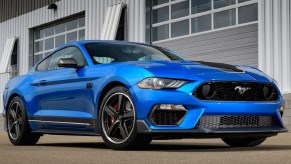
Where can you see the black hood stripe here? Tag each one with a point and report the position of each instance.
(221, 66)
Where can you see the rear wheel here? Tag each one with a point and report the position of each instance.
(18, 129)
(118, 121)
(243, 142)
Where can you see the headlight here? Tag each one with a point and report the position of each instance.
(160, 83)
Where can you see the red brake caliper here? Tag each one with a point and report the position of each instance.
(112, 118)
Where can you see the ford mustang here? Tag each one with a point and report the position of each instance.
(132, 93)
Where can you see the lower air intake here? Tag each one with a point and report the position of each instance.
(215, 122)
(167, 117)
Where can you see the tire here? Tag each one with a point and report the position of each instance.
(117, 116)
(243, 142)
(18, 129)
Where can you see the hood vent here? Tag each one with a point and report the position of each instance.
(221, 66)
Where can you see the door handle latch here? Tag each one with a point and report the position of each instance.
(42, 82)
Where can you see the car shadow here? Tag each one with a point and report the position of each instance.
(212, 148)
(76, 145)
(169, 147)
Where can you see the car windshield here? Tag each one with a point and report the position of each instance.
(117, 52)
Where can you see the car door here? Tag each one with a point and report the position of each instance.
(60, 92)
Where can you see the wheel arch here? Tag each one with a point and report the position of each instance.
(103, 92)
(7, 106)
(106, 88)
(10, 99)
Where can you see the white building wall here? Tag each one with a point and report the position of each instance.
(275, 41)
(275, 47)
(94, 17)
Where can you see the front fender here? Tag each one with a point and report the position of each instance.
(19, 86)
(128, 75)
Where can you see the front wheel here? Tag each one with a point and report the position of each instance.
(118, 121)
(18, 129)
(243, 142)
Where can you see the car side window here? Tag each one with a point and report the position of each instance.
(42, 66)
(69, 52)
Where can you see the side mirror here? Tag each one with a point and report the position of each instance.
(68, 63)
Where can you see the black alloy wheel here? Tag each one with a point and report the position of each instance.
(18, 128)
(15, 120)
(118, 117)
(118, 121)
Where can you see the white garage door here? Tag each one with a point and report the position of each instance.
(50, 37)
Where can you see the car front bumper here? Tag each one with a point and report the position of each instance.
(147, 99)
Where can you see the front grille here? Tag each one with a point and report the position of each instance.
(236, 91)
(167, 117)
(216, 121)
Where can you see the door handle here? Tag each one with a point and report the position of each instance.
(42, 82)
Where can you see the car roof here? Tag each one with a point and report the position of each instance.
(82, 42)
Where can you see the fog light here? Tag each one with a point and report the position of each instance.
(171, 107)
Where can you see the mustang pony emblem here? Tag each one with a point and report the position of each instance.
(241, 90)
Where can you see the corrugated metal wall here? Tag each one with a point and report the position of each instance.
(136, 18)
(13, 8)
(275, 41)
(238, 45)
(3, 79)
(94, 13)
(275, 47)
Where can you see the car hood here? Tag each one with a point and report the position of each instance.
(201, 70)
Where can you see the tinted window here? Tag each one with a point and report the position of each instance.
(202, 23)
(248, 13)
(223, 3)
(224, 18)
(158, 2)
(161, 14)
(199, 6)
(180, 28)
(70, 52)
(116, 52)
(42, 66)
(180, 9)
(160, 32)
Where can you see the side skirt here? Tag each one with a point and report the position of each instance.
(66, 132)
(64, 126)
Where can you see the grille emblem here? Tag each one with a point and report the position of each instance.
(241, 90)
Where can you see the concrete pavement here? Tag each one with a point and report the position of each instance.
(76, 149)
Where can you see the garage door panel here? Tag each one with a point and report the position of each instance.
(234, 45)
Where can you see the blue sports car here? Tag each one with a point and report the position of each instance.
(132, 93)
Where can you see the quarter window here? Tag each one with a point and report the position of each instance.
(48, 38)
(176, 18)
(43, 65)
